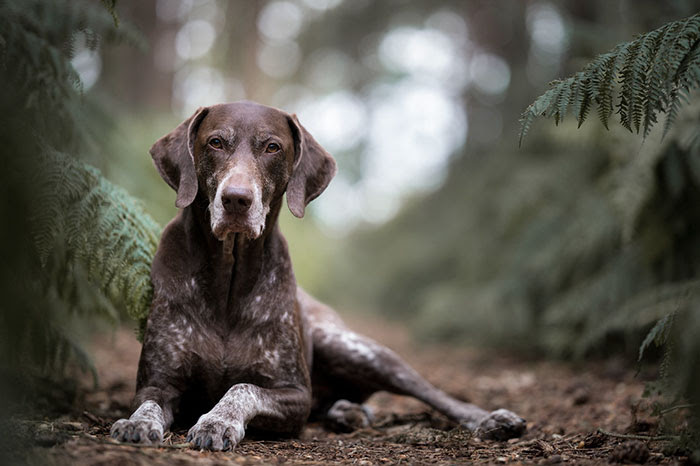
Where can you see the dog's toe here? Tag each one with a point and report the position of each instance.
(137, 431)
(501, 425)
(212, 433)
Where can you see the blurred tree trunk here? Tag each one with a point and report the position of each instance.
(133, 75)
(243, 41)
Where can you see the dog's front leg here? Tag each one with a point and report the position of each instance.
(150, 420)
(280, 410)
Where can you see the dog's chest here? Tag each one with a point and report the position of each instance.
(255, 339)
(257, 348)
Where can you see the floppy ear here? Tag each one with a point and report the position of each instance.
(314, 168)
(173, 155)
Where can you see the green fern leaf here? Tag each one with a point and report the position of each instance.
(629, 77)
(658, 335)
(102, 227)
(655, 72)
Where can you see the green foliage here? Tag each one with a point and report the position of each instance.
(37, 40)
(111, 6)
(655, 73)
(74, 247)
(100, 227)
(677, 388)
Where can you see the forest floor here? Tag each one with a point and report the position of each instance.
(565, 406)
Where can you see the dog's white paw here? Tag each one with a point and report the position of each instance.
(501, 424)
(137, 431)
(345, 416)
(215, 433)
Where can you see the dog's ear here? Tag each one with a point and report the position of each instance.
(173, 155)
(314, 168)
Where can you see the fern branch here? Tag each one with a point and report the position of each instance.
(653, 73)
(101, 227)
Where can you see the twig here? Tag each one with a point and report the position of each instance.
(673, 408)
(173, 446)
(648, 438)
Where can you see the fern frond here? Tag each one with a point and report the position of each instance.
(536, 109)
(628, 106)
(654, 73)
(578, 101)
(102, 228)
(658, 335)
(603, 79)
(111, 6)
(36, 48)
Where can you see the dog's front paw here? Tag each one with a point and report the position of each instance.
(215, 433)
(501, 425)
(137, 431)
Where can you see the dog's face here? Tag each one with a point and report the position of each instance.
(242, 157)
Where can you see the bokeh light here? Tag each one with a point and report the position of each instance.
(194, 39)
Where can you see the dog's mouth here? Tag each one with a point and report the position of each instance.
(225, 227)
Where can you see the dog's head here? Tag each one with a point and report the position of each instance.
(243, 157)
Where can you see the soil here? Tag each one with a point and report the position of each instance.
(574, 413)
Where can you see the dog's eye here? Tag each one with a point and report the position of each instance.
(272, 148)
(216, 143)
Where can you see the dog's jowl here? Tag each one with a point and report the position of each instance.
(231, 342)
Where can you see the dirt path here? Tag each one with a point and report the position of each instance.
(564, 406)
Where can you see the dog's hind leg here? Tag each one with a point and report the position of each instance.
(353, 367)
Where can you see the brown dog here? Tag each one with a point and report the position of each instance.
(230, 338)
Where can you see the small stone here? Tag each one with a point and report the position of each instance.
(46, 439)
(581, 396)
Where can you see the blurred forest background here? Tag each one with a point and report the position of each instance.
(436, 216)
(574, 245)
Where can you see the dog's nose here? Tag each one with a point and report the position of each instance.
(237, 200)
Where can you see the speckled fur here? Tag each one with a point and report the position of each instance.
(231, 341)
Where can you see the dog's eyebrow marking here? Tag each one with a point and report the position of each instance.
(265, 136)
(228, 134)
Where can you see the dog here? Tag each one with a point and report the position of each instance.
(231, 340)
